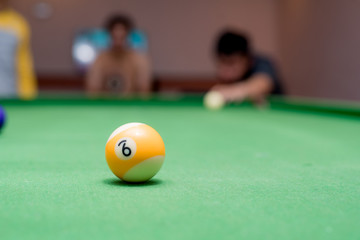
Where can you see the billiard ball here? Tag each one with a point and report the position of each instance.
(214, 100)
(2, 117)
(135, 152)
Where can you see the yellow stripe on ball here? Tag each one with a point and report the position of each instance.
(135, 152)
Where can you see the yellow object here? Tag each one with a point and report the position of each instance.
(135, 152)
(15, 33)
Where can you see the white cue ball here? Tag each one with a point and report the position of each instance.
(214, 100)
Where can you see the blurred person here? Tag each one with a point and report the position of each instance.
(17, 78)
(241, 73)
(119, 69)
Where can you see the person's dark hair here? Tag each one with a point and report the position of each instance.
(231, 42)
(119, 19)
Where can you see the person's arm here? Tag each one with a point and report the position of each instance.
(143, 74)
(255, 88)
(94, 77)
(27, 87)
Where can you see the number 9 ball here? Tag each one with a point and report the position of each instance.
(135, 152)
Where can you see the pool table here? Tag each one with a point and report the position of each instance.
(288, 171)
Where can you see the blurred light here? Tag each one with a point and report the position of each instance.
(138, 41)
(90, 42)
(84, 53)
(42, 10)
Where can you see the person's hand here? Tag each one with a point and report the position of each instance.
(232, 92)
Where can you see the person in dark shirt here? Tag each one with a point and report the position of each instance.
(241, 73)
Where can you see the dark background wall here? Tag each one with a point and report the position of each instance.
(320, 47)
(314, 42)
(181, 32)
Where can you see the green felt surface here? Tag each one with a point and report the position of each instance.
(240, 173)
